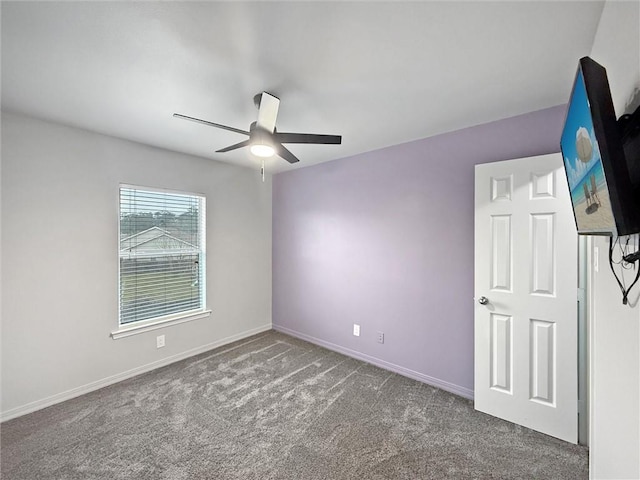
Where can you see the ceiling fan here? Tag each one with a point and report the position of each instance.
(264, 140)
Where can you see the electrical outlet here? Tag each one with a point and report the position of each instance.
(160, 341)
(356, 329)
(380, 337)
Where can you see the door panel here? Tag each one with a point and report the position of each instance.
(542, 365)
(542, 254)
(526, 266)
(501, 352)
(501, 252)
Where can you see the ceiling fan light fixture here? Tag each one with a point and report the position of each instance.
(264, 139)
(261, 143)
(262, 150)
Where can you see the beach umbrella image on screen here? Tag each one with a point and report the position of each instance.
(583, 145)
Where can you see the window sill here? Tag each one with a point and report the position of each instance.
(147, 326)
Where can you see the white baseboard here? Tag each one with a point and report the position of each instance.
(406, 372)
(90, 387)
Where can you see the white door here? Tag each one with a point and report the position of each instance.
(526, 321)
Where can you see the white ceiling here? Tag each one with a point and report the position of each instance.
(378, 73)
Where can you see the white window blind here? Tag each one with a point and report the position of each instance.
(162, 254)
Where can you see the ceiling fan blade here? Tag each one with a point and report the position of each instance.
(307, 138)
(234, 147)
(286, 154)
(268, 112)
(211, 124)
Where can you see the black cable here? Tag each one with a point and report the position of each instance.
(632, 257)
(625, 292)
(626, 261)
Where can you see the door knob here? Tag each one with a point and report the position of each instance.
(483, 300)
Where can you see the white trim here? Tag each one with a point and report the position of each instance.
(146, 326)
(592, 259)
(405, 372)
(584, 297)
(90, 387)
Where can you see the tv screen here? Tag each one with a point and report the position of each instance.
(594, 161)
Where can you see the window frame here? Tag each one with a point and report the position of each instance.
(140, 326)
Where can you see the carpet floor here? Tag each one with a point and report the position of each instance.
(275, 407)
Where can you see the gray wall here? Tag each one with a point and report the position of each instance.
(385, 240)
(60, 259)
(615, 328)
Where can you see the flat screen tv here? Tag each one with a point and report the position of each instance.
(602, 194)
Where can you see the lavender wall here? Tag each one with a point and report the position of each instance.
(385, 239)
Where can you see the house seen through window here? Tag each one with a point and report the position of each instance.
(162, 254)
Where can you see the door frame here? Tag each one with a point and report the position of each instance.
(584, 315)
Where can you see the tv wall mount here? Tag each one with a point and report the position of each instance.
(629, 129)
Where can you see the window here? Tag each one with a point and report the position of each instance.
(162, 255)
